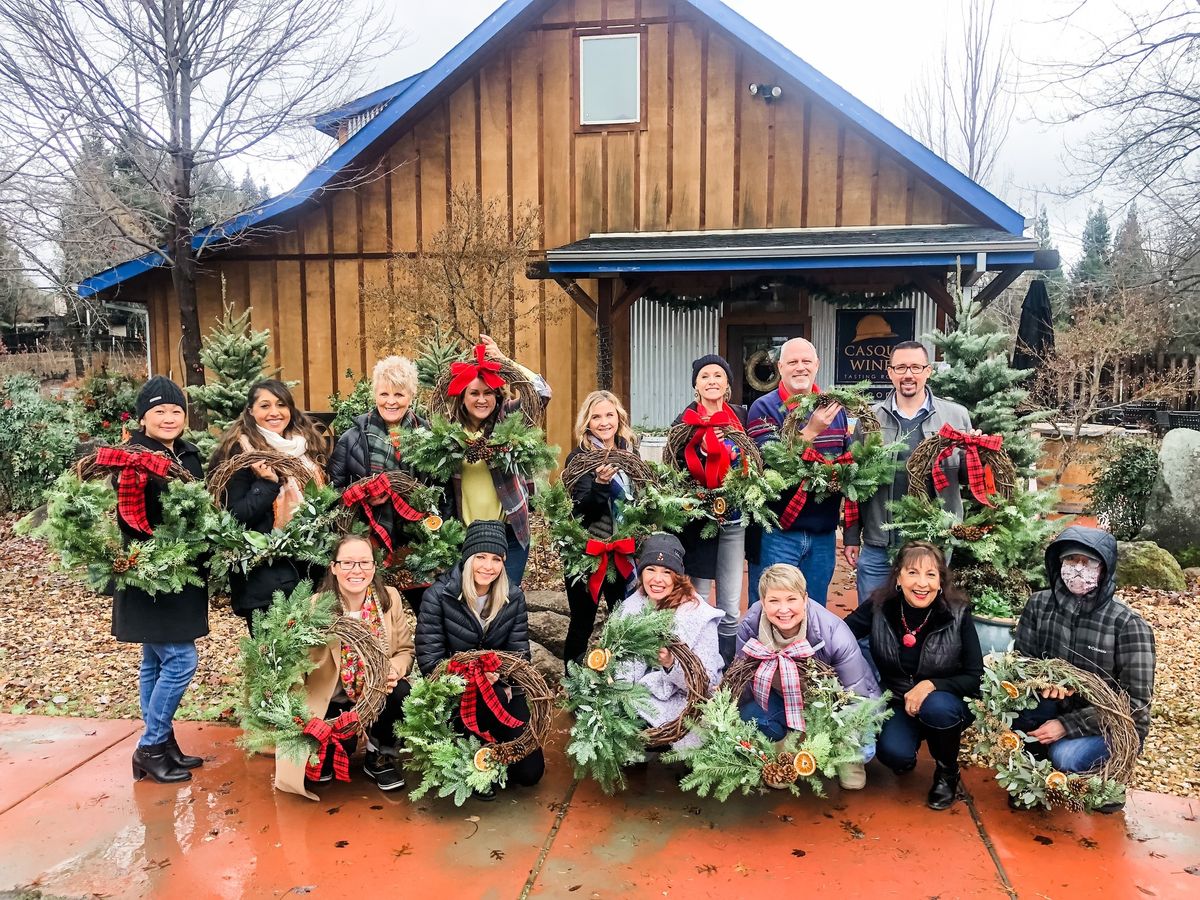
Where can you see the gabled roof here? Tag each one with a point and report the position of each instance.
(510, 16)
(328, 122)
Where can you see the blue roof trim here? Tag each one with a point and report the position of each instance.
(741, 264)
(328, 122)
(425, 83)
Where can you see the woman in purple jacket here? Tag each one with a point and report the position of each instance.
(787, 624)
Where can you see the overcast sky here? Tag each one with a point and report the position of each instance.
(879, 50)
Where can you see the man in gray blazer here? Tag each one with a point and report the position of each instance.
(910, 413)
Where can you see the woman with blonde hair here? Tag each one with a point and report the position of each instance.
(596, 499)
(256, 496)
(370, 445)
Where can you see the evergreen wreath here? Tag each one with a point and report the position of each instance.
(434, 545)
(854, 400)
(609, 733)
(1012, 684)
(753, 290)
(275, 660)
(516, 383)
(456, 765)
(748, 486)
(857, 474)
(735, 755)
(992, 473)
(514, 447)
(81, 526)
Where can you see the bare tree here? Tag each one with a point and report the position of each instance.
(963, 108)
(180, 86)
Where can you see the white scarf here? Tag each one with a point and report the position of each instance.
(295, 446)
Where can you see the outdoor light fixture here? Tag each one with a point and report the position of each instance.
(767, 92)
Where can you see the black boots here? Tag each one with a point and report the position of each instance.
(179, 758)
(154, 761)
(727, 643)
(943, 747)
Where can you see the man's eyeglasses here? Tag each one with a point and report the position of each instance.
(350, 565)
(904, 370)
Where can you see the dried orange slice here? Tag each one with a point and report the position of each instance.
(1056, 781)
(719, 506)
(1011, 689)
(483, 759)
(433, 523)
(1009, 741)
(599, 659)
(805, 763)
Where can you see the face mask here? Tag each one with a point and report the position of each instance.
(1081, 578)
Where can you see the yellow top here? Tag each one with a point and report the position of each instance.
(479, 498)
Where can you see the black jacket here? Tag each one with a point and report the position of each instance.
(351, 455)
(251, 500)
(141, 618)
(446, 626)
(947, 650)
(592, 502)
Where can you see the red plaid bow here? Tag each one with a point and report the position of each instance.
(463, 373)
(621, 553)
(791, 685)
(364, 492)
(475, 672)
(136, 469)
(979, 476)
(330, 736)
(710, 472)
(796, 504)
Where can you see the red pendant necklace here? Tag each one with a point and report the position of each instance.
(910, 634)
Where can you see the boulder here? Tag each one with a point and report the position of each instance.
(549, 629)
(546, 662)
(1145, 564)
(1192, 574)
(549, 601)
(1173, 510)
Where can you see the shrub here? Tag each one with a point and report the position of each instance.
(1122, 486)
(108, 401)
(354, 404)
(38, 438)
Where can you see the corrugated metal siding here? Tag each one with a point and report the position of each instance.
(824, 329)
(663, 342)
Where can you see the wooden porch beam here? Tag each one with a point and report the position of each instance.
(579, 295)
(634, 289)
(1003, 279)
(936, 289)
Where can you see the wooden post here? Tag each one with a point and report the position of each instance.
(604, 350)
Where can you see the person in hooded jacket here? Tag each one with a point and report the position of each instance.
(1080, 620)
(474, 606)
(165, 625)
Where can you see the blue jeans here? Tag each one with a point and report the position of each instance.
(902, 734)
(873, 568)
(166, 671)
(515, 559)
(813, 554)
(772, 721)
(731, 559)
(1067, 754)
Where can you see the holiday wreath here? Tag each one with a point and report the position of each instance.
(81, 522)
(735, 755)
(514, 447)
(454, 764)
(1012, 684)
(990, 471)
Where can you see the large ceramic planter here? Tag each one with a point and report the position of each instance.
(994, 634)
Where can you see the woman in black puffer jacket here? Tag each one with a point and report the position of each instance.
(473, 607)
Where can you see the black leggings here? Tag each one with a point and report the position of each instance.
(383, 731)
(583, 614)
(527, 771)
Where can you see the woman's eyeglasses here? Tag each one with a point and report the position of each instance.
(904, 370)
(348, 565)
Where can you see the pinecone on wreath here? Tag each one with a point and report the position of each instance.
(970, 532)
(479, 451)
(781, 771)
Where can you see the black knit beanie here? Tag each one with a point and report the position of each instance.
(157, 391)
(485, 536)
(662, 549)
(711, 359)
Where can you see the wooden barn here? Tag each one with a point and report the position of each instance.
(701, 188)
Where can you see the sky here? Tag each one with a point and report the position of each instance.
(879, 50)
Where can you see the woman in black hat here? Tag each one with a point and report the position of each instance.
(706, 458)
(473, 606)
(165, 625)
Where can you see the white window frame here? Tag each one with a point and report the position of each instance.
(637, 75)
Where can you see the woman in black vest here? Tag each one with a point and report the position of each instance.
(924, 643)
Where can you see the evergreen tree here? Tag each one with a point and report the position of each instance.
(1056, 281)
(1131, 266)
(1094, 269)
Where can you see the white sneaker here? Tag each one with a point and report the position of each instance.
(852, 776)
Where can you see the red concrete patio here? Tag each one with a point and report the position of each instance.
(73, 824)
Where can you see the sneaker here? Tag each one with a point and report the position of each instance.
(382, 770)
(852, 776)
(326, 771)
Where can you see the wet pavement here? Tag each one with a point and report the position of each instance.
(74, 824)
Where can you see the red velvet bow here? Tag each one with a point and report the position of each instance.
(463, 373)
(796, 504)
(621, 553)
(330, 736)
(710, 472)
(475, 672)
(136, 469)
(980, 479)
(379, 487)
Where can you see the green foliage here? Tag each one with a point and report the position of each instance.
(108, 401)
(849, 397)
(444, 758)
(749, 490)
(874, 466)
(437, 352)
(431, 552)
(1188, 557)
(608, 731)
(994, 594)
(731, 756)
(346, 409)
(38, 438)
(514, 447)
(666, 506)
(275, 660)
(1118, 496)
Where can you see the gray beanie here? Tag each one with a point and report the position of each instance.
(662, 549)
(485, 536)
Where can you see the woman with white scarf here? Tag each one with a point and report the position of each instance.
(256, 496)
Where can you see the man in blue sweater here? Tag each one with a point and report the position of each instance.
(807, 537)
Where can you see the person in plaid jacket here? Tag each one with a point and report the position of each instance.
(1080, 620)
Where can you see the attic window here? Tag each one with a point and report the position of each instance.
(610, 75)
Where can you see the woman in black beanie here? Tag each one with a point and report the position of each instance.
(473, 606)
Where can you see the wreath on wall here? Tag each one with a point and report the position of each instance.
(735, 755)
(609, 733)
(748, 486)
(763, 358)
(81, 522)
(456, 765)
(755, 288)
(1013, 684)
(275, 660)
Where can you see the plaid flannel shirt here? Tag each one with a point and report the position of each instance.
(1106, 638)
